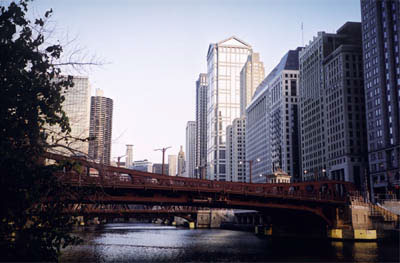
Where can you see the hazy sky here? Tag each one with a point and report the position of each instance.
(157, 49)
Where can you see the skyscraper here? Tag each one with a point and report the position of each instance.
(381, 47)
(345, 111)
(190, 148)
(101, 111)
(225, 60)
(77, 108)
(251, 76)
(201, 126)
(312, 99)
(235, 151)
(272, 122)
(181, 162)
(258, 144)
(172, 161)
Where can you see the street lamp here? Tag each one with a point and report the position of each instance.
(119, 159)
(305, 174)
(324, 173)
(163, 155)
(250, 166)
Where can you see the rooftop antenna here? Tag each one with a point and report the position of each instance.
(302, 35)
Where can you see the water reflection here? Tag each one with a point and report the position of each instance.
(149, 243)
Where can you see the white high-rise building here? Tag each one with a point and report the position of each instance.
(77, 108)
(172, 161)
(225, 61)
(235, 151)
(129, 156)
(190, 149)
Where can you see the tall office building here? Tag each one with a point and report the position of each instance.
(312, 99)
(101, 111)
(258, 132)
(77, 108)
(251, 76)
(201, 126)
(190, 149)
(235, 151)
(129, 156)
(181, 162)
(274, 112)
(345, 111)
(172, 161)
(225, 60)
(381, 45)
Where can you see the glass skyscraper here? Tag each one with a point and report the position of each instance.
(225, 61)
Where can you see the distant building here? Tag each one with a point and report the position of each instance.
(172, 162)
(201, 126)
(101, 113)
(157, 168)
(77, 108)
(143, 165)
(225, 60)
(251, 76)
(381, 47)
(129, 155)
(181, 162)
(235, 151)
(190, 149)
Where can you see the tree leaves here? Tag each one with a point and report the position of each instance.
(30, 99)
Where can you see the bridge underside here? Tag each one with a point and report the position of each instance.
(272, 205)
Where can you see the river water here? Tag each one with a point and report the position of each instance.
(134, 242)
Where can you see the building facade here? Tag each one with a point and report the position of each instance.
(181, 162)
(273, 119)
(172, 162)
(381, 45)
(76, 106)
(129, 156)
(236, 151)
(312, 99)
(201, 126)
(225, 61)
(190, 149)
(101, 113)
(251, 76)
(157, 168)
(142, 165)
(344, 114)
(257, 132)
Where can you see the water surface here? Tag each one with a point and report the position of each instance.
(129, 242)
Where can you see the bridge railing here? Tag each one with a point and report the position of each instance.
(109, 176)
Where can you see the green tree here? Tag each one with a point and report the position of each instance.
(31, 88)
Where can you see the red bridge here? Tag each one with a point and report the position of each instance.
(113, 185)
